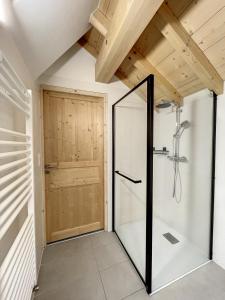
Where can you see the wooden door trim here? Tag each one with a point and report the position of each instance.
(103, 96)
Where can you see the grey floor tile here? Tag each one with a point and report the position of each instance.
(86, 288)
(71, 271)
(219, 296)
(103, 239)
(109, 255)
(211, 273)
(54, 251)
(79, 244)
(185, 291)
(120, 281)
(201, 284)
(65, 249)
(66, 269)
(206, 283)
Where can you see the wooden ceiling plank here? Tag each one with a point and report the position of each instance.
(173, 30)
(198, 13)
(120, 39)
(211, 32)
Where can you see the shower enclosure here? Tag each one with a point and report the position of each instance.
(163, 182)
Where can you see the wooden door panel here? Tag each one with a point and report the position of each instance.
(74, 155)
(70, 211)
(62, 178)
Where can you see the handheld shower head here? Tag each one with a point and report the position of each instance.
(185, 124)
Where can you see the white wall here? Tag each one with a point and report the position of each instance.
(36, 21)
(76, 69)
(219, 224)
(10, 50)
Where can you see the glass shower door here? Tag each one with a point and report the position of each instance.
(130, 175)
(182, 192)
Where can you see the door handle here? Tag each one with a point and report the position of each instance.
(48, 168)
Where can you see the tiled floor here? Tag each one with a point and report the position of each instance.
(95, 267)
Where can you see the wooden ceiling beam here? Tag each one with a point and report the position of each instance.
(99, 21)
(141, 63)
(175, 33)
(86, 45)
(137, 59)
(119, 39)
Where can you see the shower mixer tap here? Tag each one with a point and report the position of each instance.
(182, 159)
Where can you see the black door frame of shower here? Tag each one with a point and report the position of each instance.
(149, 180)
(149, 186)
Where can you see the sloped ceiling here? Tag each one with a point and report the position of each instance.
(45, 29)
(182, 35)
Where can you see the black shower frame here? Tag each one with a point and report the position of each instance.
(149, 180)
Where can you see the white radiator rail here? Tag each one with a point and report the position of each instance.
(19, 259)
(14, 133)
(18, 267)
(9, 73)
(13, 164)
(13, 174)
(8, 98)
(7, 200)
(12, 92)
(14, 143)
(14, 211)
(10, 187)
(13, 153)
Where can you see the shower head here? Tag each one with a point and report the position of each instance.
(165, 104)
(185, 124)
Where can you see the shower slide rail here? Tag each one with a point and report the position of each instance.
(128, 178)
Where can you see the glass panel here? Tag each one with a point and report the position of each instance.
(130, 160)
(182, 188)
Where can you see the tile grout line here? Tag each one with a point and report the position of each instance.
(124, 298)
(99, 271)
(111, 243)
(118, 263)
(102, 285)
(100, 277)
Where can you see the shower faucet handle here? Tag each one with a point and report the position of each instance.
(182, 159)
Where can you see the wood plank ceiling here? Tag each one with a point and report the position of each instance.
(162, 46)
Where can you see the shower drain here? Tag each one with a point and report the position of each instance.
(170, 238)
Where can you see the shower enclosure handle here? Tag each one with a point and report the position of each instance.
(128, 178)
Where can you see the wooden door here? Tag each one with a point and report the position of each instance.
(74, 164)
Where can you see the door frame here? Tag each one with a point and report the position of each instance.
(53, 88)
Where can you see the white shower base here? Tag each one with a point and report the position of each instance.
(170, 261)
